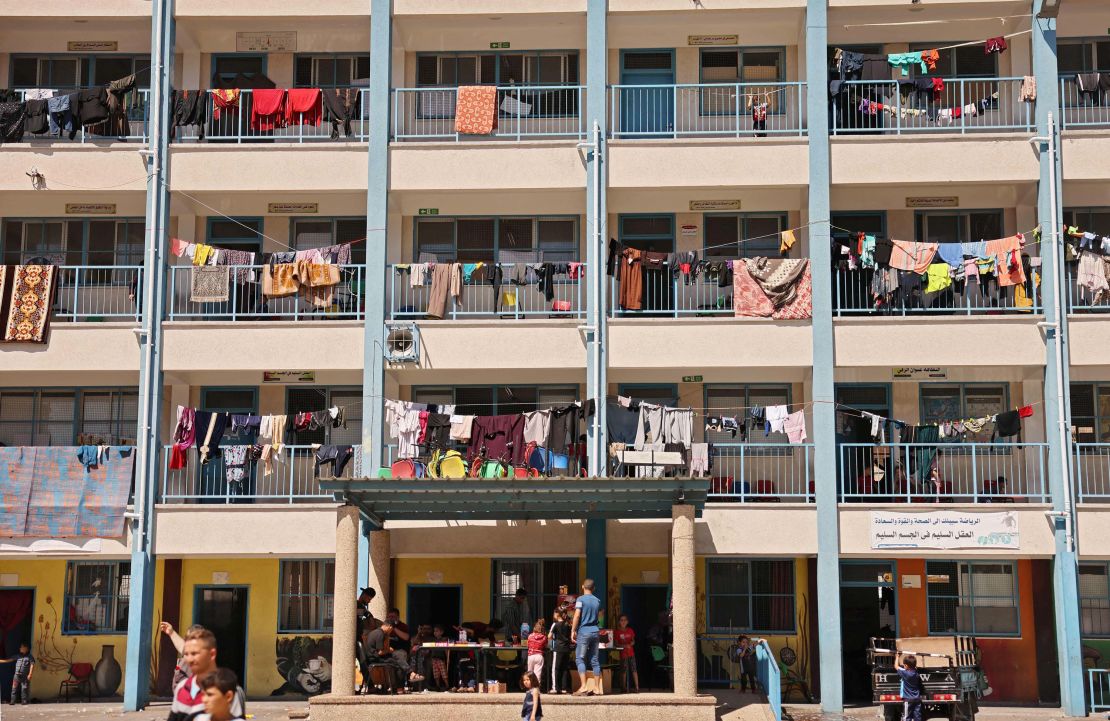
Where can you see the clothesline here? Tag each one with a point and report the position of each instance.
(979, 42)
(1002, 18)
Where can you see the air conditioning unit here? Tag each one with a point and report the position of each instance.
(402, 343)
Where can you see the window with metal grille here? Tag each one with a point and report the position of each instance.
(67, 72)
(967, 62)
(96, 597)
(739, 65)
(307, 400)
(306, 603)
(309, 233)
(502, 240)
(331, 70)
(750, 595)
(959, 226)
(974, 597)
(541, 578)
(954, 401)
(98, 243)
(743, 235)
(547, 67)
(62, 417)
(1090, 412)
(734, 401)
(1094, 600)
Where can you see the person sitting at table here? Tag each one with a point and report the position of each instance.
(465, 664)
(379, 650)
(402, 638)
(419, 653)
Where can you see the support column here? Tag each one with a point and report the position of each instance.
(344, 633)
(684, 602)
(377, 250)
(1050, 215)
(379, 573)
(597, 560)
(140, 615)
(595, 127)
(824, 412)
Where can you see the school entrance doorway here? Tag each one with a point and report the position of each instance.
(223, 611)
(867, 609)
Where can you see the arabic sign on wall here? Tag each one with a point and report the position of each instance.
(944, 529)
(282, 41)
(918, 373)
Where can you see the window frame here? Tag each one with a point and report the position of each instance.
(1104, 598)
(496, 246)
(1096, 61)
(78, 400)
(86, 63)
(746, 392)
(964, 388)
(497, 55)
(743, 219)
(751, 595)
(1097, 388)
(777, 108)
(112, 601)
(970, 594)
(921, 222)
(915, 69)
(324, 595)
(328, 395)
(496, 598)
(315, 58)
(358, 249)
(121, 229)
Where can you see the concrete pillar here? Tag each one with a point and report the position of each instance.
(378, 578)
(684, 601)
(346, 577)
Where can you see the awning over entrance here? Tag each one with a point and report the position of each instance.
(384, 499)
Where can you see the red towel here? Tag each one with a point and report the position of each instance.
(304, 107)
(267, 109)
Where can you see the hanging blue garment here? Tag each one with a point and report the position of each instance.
(951, 253)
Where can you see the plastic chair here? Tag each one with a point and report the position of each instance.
(791, 680)
(507, 662)
(80, 677)
(765, 491)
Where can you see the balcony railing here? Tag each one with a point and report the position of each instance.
(234, 125)
(965, 472)
(707, 110)
(1092, 472)
(137, 117)
(1080, 109)
(1098, 687)
(97, 293)
(964, 105)
(246, 302)
(292, 479)
(1081, 300)
(665, 294)
(523, 112)
(852, 289)
(762, 472)
(482, 299)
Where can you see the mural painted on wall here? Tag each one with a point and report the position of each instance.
(305, 664)
(1096, 653)
(50, 653)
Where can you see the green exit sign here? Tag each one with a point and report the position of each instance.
(499, 46)
(691, 379)
(428, 211)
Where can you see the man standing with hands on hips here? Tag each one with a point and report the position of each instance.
(583, 633)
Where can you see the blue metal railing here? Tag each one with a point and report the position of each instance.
(1098, 689)
(767, 672)
(245, 301)
(1082, 300)
(964, 472)
(853, 296)
(97, 293)
(292, 478)
(963, 105)
(762, 472)
(1092, 472)
(707, 110)
(1080, 109)
(481, 299)
(234, 124)
(665, 294)
(523, 111)
(138, 114)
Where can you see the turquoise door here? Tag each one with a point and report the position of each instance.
(647, 93)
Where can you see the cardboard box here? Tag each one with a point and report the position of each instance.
(496, 687)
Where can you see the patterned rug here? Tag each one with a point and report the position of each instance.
(28, 306)
(210, 284)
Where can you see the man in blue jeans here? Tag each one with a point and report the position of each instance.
(583, 632)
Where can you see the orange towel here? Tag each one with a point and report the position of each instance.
(476, 110)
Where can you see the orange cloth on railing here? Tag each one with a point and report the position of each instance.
(908, 255)
(476, 110)
(304, 106)
(930, 58)
(267, 109)
(222, 99)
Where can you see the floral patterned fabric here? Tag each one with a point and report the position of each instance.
(476, 110)
(32, 294)
(751, 300)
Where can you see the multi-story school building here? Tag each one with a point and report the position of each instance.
(857, 250)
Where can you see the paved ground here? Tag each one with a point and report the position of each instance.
(804, 712)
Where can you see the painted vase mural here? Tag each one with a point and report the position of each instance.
(108, 674)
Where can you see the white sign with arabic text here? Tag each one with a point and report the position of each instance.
(944, 529)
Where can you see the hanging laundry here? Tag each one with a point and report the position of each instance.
(786, 241)
(905, 61)
(537, 426)
(461, 427)
(1028, 91)
(303, 106)
(224, 99)
(929, 59)
(267, 109)
(795, 427)
(939, 277)
(995, 45)
(209, 285)
(342, 105)
(907, 255)
(775, 417)
(476, 110)
(184, 435)
(1007, 424)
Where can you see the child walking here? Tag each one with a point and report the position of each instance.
(24, 670)
(537, 644)
(626, 639)
(911, 688)
(531, 710)
(560, 663)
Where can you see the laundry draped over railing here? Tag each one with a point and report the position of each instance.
(1090, 253)
(65, 491)
(26, 299)
(103, 110)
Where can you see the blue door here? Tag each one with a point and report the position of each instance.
(647, 107)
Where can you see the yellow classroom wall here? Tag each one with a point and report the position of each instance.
(54, 650)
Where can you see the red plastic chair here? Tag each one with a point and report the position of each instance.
(765, 491)
(80, 676)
